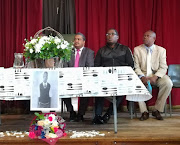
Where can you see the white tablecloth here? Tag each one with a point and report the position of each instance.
(16, 84)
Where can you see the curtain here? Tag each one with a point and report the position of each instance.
(20, 19)
(131, 18)
(60, 15)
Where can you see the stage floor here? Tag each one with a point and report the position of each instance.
(129, 131)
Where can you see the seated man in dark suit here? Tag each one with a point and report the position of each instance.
(81, 57)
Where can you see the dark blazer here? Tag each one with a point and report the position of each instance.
(85, 59)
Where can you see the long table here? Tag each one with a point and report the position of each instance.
(18, 84)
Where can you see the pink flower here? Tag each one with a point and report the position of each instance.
(37, 132)
(32, 128)
(59, 133)
(55, 129)
(31, 135)
(64, 134)
(50, 118)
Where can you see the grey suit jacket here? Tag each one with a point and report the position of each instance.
(86, 59)
(158, 60)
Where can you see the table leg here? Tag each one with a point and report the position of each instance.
(115, 114)
(0, 112)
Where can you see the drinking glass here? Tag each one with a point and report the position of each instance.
(18, 60)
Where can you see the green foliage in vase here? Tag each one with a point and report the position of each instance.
(46, 47)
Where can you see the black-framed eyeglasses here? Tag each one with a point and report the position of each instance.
(109, 34)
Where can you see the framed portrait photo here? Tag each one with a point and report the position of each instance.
(44, 90)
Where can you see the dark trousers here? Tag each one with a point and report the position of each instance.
(82, 106)
(99, 104)
(68, 103)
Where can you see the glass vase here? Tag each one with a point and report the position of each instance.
(18, 60)
(39, 63)
(55, 62)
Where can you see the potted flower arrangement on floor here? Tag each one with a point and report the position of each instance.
(49, 127)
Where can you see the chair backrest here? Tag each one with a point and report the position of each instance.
(174, 73)
(68, 37)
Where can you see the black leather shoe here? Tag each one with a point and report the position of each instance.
(72, 116)
(106, 117)
(97, 120)
(144, 116)
(79, 118)
(157, 115)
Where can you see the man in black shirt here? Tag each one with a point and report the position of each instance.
(112, 54)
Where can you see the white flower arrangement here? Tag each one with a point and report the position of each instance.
(46, 47)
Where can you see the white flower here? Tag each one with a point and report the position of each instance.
(42, 42)
(58, 46)
(33, 41)
(40, 123)
(27, 45)
(46, 122)
(57, 40)
(65, 42)
(26, 48)
(52, 135)
(31, 50)
(51, 38)
(53, 117)
(38, 48)
(55, 123)
(63, 46)
(45, 38)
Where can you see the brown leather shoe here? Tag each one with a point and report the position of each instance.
(144, 116)
(157, 115)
